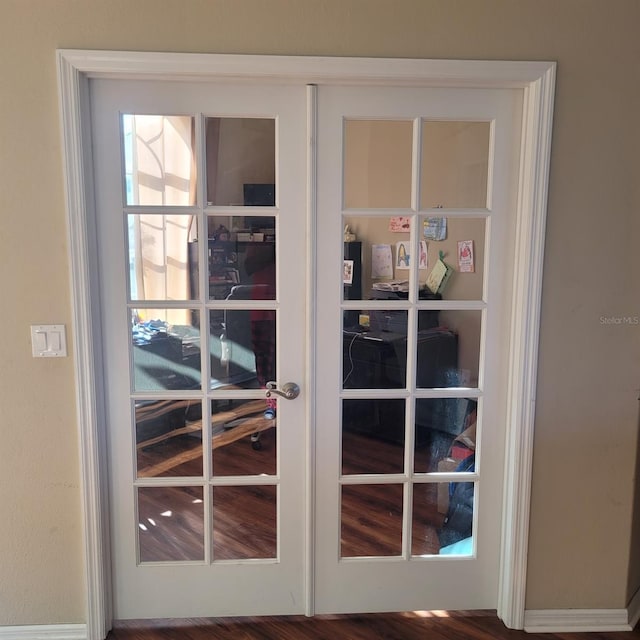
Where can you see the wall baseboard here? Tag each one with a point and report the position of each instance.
(45, 632)
(633, 609)
(577, 620)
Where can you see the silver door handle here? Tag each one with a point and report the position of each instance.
(290, 390)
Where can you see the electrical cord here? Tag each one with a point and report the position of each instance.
(351, 363)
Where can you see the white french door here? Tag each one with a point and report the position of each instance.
(410, 437)
(201, 208)
(403, 413)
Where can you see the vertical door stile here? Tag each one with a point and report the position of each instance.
(311, 346)
(204, 335)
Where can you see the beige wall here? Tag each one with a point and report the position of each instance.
(586, 426)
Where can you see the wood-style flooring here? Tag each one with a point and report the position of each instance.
(422, 625)
(245, 517)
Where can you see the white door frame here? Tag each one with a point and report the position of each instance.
(536, 79)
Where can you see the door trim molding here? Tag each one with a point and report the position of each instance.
(523, 358)
(536, 79)
(81, 238)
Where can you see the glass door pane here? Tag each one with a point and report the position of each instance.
(455, 164)
(377, 163)
(205, 471)
(402, 270)
(240, 158)
(159, 160)
(242, 293)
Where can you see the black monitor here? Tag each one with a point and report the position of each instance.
(259, 195)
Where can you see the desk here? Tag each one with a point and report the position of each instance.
(378, 360)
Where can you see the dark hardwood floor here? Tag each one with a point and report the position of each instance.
(459, 625)
(371, 514)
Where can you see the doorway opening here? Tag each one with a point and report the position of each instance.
(536, 81)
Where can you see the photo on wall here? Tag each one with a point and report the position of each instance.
(347, 272)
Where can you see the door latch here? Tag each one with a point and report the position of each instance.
(290, 390)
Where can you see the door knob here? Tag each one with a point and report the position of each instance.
(290, 390)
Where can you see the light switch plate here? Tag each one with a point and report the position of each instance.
(48, 341)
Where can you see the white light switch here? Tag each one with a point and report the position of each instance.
(48, 341)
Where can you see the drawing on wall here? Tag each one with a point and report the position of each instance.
(422, 263)
(400, 224)
(435, 228)
(465, 256)
(381, 261)
(402, 255)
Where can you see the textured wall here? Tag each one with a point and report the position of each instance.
(589, 369)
